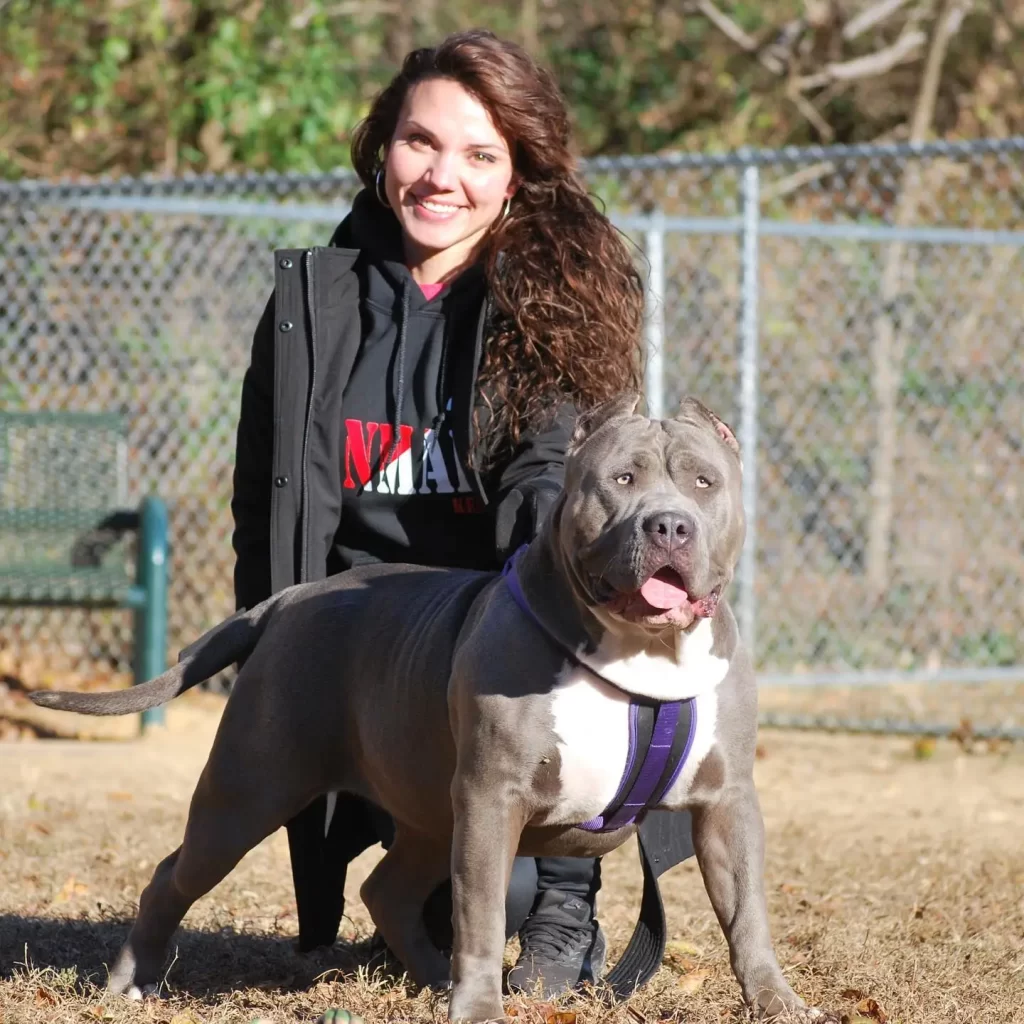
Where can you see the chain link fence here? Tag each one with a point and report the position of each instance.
(856, 313)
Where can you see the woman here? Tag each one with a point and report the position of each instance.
(411, 394)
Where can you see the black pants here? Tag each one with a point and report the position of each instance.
(320, 863)
(578, 876)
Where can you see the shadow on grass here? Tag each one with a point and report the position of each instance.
(200, 964)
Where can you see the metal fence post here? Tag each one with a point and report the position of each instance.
(654, 316)
(151, 614)
(750, 209)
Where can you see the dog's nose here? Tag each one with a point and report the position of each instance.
(669, 529)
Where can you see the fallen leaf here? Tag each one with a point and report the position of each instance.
(561, 1017)
(690, 983)
(40, 827)
(122, 797)
(964, 733)
(857, 1019)
(44, 997)
(71, 888)
(852, 993)
(787, 888)
(680, 948)
(924, 747)
(682, 964)
(101, 1013)
(870, 1008)
(760, 752)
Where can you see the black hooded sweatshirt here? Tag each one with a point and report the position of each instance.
(348, 347)
(411, 501)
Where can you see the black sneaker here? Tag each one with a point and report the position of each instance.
(561, 946)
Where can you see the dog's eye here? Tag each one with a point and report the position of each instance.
(703, 481)
(625, 479)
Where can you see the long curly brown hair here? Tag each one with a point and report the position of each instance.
(568, 298)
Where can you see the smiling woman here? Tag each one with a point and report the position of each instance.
(447, 176)
(411, 395)
(568, 300)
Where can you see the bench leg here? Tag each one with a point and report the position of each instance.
(151, 618)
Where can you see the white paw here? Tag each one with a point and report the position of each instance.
(138, 994)
(816, 1015)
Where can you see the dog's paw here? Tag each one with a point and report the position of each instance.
(146, 992)
(814, 1015)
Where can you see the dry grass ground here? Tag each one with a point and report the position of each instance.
(890, 878)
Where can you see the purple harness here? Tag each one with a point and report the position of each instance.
(662, 730)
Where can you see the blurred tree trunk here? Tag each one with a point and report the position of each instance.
(889, 345)
(428, 33)
(400, 32)
(528, 27)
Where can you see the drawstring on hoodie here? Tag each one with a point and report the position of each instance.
(399, 396)
(442, 400)
(403, 323)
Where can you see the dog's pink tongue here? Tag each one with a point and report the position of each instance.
(662, 592)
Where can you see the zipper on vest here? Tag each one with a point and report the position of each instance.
(486, 314)
(311, 307)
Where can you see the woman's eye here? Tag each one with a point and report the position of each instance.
(703, 481)
(483, 158)
(625, 479)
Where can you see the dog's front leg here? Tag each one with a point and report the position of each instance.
(486, 836)
(729, 841)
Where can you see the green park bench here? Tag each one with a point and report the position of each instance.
(63, 495)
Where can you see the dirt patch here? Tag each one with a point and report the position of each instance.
(895, 883)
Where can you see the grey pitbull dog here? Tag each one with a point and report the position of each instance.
(485, 731)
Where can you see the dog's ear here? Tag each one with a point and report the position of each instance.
(690, 408)
(615, 408)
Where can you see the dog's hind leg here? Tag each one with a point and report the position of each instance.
(395, 893)
(229, 815)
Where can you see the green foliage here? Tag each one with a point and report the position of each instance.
(103, 86)
(128, 86)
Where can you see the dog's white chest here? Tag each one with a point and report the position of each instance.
(591, 726)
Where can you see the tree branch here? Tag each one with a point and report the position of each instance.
(948, 25)
(868, 66)
(727, 26)
(810, 112)
(873, 16)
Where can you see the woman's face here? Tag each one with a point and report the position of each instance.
(447, 174)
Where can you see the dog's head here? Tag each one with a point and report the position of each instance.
(652, 524)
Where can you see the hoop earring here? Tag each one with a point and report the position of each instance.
(505, 209)
(382, 199)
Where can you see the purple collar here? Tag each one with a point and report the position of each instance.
(663, 730)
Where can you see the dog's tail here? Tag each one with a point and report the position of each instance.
(233, 640)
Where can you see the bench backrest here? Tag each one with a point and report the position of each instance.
(60, 474)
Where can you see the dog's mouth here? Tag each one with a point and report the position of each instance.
(665, 590)
(663, 599)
